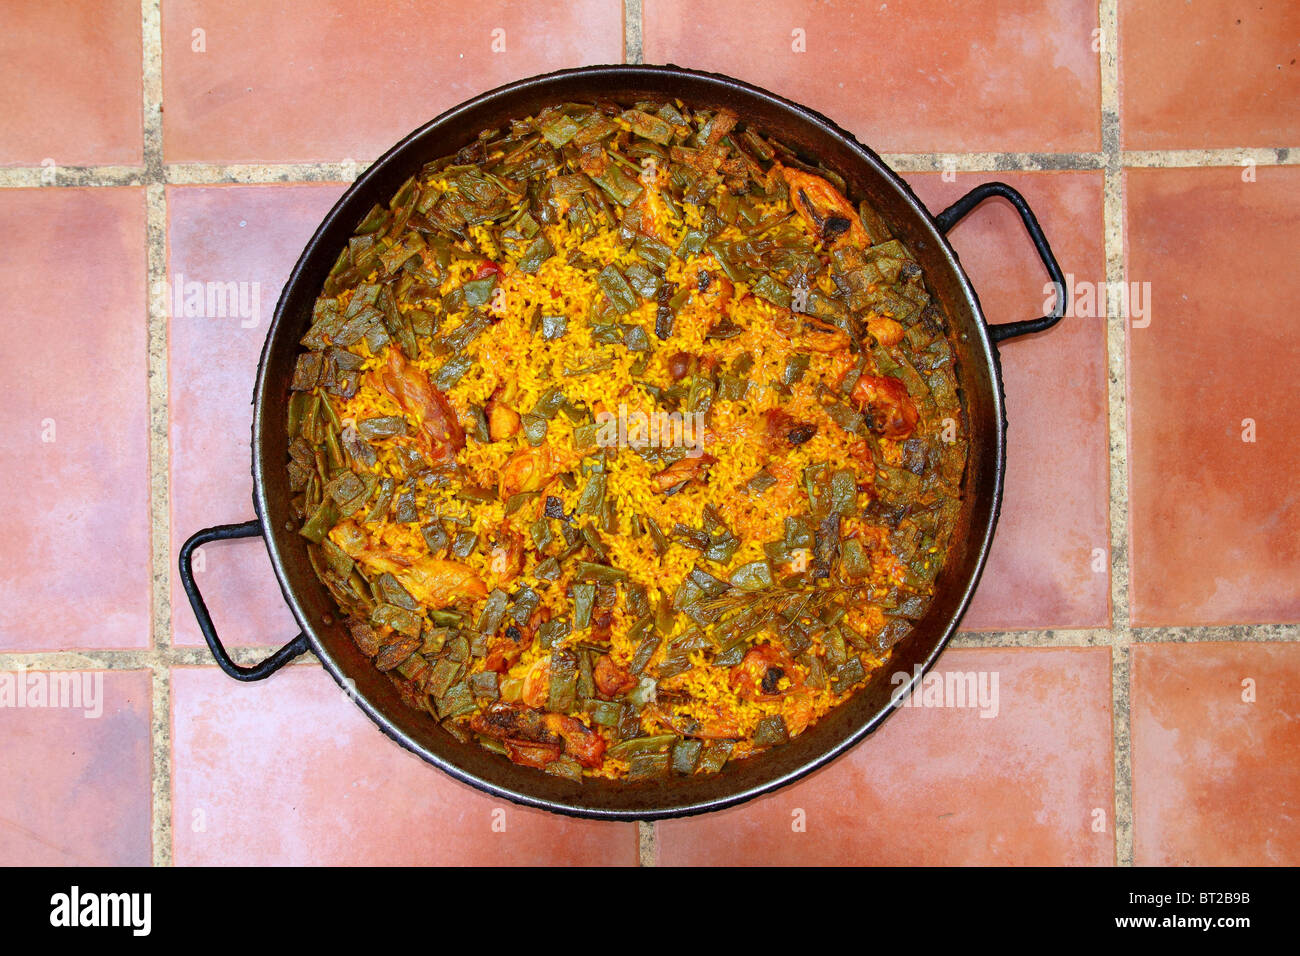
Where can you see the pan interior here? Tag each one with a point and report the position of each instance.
(818, 140)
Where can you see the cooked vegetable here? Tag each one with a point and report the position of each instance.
(624, 441)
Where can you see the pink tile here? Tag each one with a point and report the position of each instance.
(922, 76)
(1213, 403)
(945, 786)
(75, 568)
(1050, 563)
(250, 236)
(74, 780)
(1216, 731)
(357, 75)
(72, 92)
(292, 772)
(1204, 75)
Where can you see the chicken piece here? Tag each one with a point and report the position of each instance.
(885, 330)
(798, 711)
(759, 674)
(683, 469)
(823, 337)
(887, 406)
(535, 738)
(433, 582)
(505, 650)
(537, 683)
(503, 421)
(521, 729)
(831, 217)
(712, 289)
(580, 742)
(535, 754)
(530, 468)
(503, 653)
(410, 387)
(501, 721)
(652, 210)
(507, 555)
(717, 722)
(783, 431)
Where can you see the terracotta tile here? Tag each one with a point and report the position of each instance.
(72, 92)
(1203, 75)
(1042, 571)
(348, 82)
(74, 780)
(915, 77)
(1216, 730)
(1215, 519)
(250, 236)
(292, 772)
(75, 420)
(944, 786)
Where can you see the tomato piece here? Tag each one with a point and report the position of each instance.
(580, 742)
(611, 679)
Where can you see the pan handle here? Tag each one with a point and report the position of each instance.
(223, 532)
(958, 210)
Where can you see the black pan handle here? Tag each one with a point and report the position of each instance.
(958, 210)
(224, 532)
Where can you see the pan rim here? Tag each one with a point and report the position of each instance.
(983, 535)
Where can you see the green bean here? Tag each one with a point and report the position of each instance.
(562, 693)
(319, 524)
(584, 599)
(538, 251)
(592, 498)
(589, 571)
(657, 743)
(616, 289)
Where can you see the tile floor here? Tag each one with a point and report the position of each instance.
(1141, 604)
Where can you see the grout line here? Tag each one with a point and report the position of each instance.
(1226, 633)
(1117, 426)
(647, 848)
(189, 174)
(1116, 323)
(1121, 729)
(345, 171)
(159, 447)
(121, 660)
(1259, 155)
(32, 177)
(118, 660)
(989, 162)
(1051, 637)
(632, 21)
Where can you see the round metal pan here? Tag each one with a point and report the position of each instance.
(818, 140)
